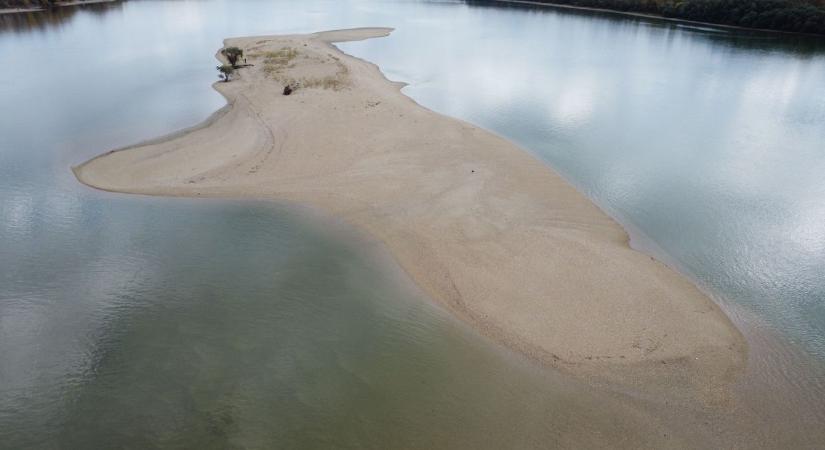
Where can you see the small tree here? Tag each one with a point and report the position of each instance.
(225, 71)
(232, 54)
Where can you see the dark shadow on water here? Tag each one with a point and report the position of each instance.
(52, 18)
(740, 39)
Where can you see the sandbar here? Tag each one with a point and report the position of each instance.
(487, 230)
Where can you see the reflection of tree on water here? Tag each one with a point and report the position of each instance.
(798, 16)
(38, 20)
(739, 38)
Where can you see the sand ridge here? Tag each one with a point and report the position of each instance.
(486, 229)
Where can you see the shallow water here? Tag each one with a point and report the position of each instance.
(215, 325)
(161, 322)
(708, 145)
(711, 146)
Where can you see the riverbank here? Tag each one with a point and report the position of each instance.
(647, 15)
(486, 229)
(57, 5)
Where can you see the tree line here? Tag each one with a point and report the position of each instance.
(27, 4)
(798, 16)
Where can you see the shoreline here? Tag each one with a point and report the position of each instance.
(655, 17)
(58, 5)
(691, 343)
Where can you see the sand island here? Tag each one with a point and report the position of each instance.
(482, 226)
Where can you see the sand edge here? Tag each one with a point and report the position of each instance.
(721, 358)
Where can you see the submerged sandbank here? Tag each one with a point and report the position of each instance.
(485, 228)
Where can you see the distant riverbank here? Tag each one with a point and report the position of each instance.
(24, 8)
(787, 20)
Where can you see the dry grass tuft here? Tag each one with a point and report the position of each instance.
(329, 82)
(281, 57)
(335, 82)
(276, 63)
(269, 69)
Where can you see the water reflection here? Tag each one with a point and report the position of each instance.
(710, 152)
(241, 325)
(741, 39)
(51, 18)
(214, 325)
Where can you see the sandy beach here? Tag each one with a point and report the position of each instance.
(483, 227)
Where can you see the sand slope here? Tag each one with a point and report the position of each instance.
(482, 226)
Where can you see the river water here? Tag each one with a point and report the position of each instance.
(142, 322)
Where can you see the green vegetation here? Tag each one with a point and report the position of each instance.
(27, 3)
(226, 72)
(781, 15)
(232, 55)
(799, 16)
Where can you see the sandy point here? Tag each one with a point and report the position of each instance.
(483, 227)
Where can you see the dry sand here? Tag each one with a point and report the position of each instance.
(486, 229)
